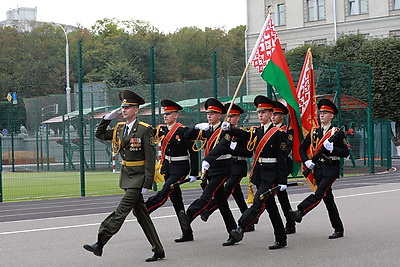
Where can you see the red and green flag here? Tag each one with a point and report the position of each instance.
(307, 100)
(268, 58)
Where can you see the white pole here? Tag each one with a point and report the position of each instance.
(68, 88)
(334, 21)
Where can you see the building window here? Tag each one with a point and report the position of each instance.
(396, 4)
(319, 42)
(278, 14)
(281, 14)
(357, 7)
(315, 10)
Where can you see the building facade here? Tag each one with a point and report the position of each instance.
(321, 22)
(24, 19)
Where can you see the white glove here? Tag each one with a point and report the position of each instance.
(144, 190)
(309, 164)
(233, 145)
(205, 166)
(225, 126)
(282, 187)
(328, 145)
(202, 126)
(113, 114)
(192, 178)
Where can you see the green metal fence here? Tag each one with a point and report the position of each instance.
(49, 153)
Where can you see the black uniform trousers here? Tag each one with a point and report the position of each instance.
(175, 194)
(262, 177)
(131, 201)
(214, 189)
(325, 175)
(232, 187)
(286, 207)
(251, 215)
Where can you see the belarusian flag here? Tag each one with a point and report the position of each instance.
(307, 100)
(268, 58)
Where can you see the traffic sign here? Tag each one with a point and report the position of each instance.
(9, 97)
(4, 131)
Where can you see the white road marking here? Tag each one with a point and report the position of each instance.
(162, 217)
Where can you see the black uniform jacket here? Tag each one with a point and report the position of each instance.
(179, 146)
(340, 149)
(217, 167)
(136, 146)
(275, 173)
(239, 167)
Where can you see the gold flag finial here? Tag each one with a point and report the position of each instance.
(271, 9)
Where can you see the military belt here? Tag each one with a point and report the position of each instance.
(330, 157)
(227, 156)
(180, 158)
(238, 158)
(266, 160)
(132, 163)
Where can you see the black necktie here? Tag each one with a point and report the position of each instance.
(126, 131)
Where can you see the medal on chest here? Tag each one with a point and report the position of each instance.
(135, 144)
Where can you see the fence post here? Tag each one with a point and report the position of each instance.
(215, 74)
(1, 170)
(389, 145)
(370, 124)
(80, 123)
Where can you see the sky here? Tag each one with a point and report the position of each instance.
(166, 15)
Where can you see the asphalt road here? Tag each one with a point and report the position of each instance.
(52, 232)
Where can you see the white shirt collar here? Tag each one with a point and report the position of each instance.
(170, 126)
(130, 125)
(266, 126)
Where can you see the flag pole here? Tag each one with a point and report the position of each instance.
(230, 107)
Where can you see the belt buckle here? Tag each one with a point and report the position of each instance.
(168, 158)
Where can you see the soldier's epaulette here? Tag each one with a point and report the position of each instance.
(144, 124)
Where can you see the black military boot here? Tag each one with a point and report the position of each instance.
(238, 233)
(184, 220)
(204, 215)
(278, 245)
(96, 248)
(336, 234)
(186, 236)
(230, 242)
(297, 215)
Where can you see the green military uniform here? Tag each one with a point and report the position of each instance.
(138, 164)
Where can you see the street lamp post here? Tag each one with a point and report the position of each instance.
(68, 88)
(227, 75)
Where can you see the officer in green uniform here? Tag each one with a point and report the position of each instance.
(134, 141)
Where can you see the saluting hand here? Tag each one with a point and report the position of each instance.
(113, 114)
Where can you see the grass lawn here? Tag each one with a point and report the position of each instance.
(20, 186)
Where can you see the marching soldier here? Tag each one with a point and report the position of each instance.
(178, 159)
(239, 154)
(326, 169)
(280, 110)
(217, 164)
(134, 141)
(268, 170)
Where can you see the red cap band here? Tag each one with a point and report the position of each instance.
(170, 109)
(214, 109)
(265, 106)
(327, 108)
